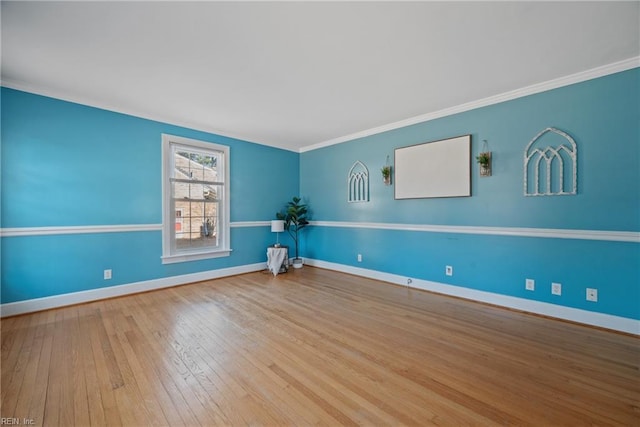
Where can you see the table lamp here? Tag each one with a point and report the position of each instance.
(277, 226)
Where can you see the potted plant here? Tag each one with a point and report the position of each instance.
(386, 175)
(484, 160)
(295, 219)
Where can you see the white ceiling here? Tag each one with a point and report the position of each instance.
(300, 74)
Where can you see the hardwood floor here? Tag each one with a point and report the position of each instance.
(311, 347)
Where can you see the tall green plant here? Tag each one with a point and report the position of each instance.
(295, 219)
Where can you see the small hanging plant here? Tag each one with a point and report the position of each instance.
(386, 174)
(484, 160)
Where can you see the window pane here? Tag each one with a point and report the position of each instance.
(199, 167)
(197, 225)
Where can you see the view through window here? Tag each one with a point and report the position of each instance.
(195, 187)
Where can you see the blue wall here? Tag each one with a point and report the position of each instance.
(602, 115)
(65, 164)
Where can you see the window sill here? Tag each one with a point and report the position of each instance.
(172, 259)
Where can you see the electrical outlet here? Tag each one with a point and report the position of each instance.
(359, 257)
(448, 270)
(530, 284)
(556, 288)
(107, 274)
(592, 294)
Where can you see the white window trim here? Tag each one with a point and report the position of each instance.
(224, 247)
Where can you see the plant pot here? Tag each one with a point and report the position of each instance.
(485, 169)
(297, 263)
(386, 175)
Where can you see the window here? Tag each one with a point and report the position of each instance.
(195, 179)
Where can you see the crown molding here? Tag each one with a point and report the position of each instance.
(582, 76)
(121, 109)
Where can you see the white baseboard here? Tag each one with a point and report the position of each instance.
(607, 321)
(56, 301)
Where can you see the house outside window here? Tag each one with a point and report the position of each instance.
(178, 222)
(195, 200)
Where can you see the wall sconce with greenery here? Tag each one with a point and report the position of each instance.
(386, 173)
(484, 160)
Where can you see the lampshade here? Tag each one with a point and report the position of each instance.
(277, 226)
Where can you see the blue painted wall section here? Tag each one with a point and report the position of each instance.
(602, 115)
(65, 164)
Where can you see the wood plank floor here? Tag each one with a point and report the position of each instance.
(311, 347)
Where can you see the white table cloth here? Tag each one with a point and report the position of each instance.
(275, 258)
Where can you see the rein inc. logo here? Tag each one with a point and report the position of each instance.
(6, 421)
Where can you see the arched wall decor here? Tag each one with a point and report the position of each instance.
(558, 171)
(358, 183)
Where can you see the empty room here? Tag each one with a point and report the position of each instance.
(320, 213)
